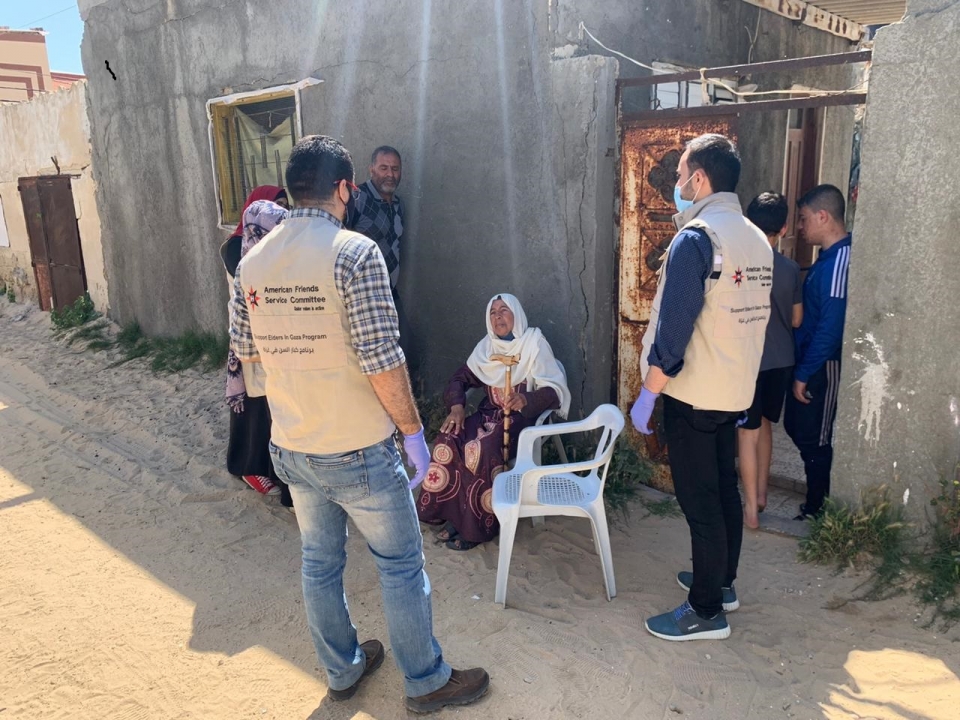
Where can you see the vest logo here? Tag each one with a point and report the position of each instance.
(738, 277)
(253, 300)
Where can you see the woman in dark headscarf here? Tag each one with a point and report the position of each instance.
(248, 453)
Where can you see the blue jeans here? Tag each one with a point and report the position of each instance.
(370, 487)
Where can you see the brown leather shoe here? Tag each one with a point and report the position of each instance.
(464, 687)
(373, 649)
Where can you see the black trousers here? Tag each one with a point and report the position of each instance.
(811, 429)
(702, 449)
(248, 445)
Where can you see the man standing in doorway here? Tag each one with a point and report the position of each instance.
(812, 406)
(378, 210)
(312, 303)
(768, 211)
(702, 351)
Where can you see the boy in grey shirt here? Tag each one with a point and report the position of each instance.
(768, 211)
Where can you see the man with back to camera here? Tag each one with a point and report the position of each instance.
(312, 302)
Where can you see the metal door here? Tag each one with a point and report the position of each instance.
(54, 240)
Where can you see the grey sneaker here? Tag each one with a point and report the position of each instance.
(684, 624)
(730, 602)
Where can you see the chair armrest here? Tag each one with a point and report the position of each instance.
(544, 418)
(533, 474)
(530, 434)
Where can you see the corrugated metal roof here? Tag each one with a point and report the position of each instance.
(865, 12)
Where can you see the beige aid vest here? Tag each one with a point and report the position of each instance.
(320, 400)
(722, 359)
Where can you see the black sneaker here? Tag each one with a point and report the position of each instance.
(730, 602)
(684, 624)
(373, 649)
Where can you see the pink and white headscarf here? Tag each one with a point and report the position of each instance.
(259, 219)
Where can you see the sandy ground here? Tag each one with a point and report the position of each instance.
(139, 580)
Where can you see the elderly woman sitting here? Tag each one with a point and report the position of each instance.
(468, 453)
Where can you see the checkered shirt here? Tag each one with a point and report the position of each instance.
(382, 222)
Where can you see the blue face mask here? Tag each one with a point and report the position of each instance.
(682, 205)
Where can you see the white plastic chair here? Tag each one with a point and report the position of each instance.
(546, 417)
(530, 490)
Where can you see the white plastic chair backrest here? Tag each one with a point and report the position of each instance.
(605, 416)
(611, 419)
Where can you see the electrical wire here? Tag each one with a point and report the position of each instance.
(46, 17)
(704, 80)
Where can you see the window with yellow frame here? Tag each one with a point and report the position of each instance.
(252, 140)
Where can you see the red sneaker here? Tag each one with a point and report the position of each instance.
(261, 484)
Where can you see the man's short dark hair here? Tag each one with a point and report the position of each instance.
(826, 197)
(717, 156)
(317, 163)
(768, 211)
(384, 150)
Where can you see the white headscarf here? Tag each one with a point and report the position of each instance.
(537, 364)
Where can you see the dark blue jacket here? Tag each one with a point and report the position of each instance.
(691, 262)
(820, 336)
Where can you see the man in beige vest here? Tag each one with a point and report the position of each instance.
(702, 351)
(312, 303)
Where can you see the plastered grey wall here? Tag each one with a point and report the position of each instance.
(509, 146)
(899, 408)
(504, 149)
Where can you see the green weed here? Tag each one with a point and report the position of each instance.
(73, 316)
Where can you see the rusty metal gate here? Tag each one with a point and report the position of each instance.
(54, 239)
(652, 142)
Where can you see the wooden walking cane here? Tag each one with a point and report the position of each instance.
(509, 361)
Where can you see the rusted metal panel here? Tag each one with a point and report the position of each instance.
(832, 23)
(753, 69)
(650, 154)
(33, 215)
(813, 16)
(41, 273)
(704, 111)
(39, 255)
(60, 220)
(63, 240)
(54, 240)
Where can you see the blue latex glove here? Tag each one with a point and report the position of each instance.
(418, 455)
(642, 410)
